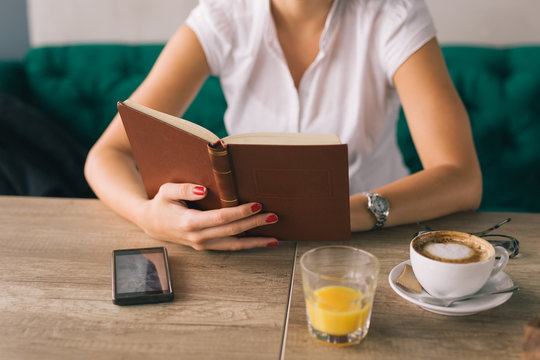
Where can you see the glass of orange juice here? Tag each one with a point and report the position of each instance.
(339, 285)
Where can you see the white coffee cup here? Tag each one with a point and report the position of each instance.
(450, 263)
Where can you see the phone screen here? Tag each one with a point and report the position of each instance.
(141, 276)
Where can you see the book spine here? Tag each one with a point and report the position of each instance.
(221, 165)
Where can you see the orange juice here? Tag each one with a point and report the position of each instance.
(337, 310)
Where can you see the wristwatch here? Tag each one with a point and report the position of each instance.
(379, 207)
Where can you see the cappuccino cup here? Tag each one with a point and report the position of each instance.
(451, 264)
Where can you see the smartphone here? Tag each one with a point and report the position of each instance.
(141, 276)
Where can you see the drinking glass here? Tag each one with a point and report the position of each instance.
(339, 286)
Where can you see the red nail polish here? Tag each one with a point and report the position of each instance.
(199, 190)
(256, 207)
(272, 244)
(271, 218)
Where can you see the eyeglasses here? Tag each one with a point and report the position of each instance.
(510, 243)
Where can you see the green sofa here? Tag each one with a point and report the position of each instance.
(77, 87)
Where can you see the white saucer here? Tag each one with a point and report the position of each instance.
(467, 307)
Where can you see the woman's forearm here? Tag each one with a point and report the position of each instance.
(428, 194)
(113, 177)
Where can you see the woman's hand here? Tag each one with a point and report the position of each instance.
(167, 217)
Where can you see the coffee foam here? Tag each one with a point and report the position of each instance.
(453, 247)
(449, 250)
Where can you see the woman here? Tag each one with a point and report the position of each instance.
(340, 66)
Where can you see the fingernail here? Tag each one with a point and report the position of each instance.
(272, 244)
(256, 207)
(271, 218)
(199, 190)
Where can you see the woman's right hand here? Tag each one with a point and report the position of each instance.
(167, 217)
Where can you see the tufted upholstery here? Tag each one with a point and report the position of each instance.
(79, 86)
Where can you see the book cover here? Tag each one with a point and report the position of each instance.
(303, 178)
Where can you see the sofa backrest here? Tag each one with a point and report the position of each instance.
(79, 86)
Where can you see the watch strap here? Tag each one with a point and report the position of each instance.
(379, 221)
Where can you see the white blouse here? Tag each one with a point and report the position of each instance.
(348, 89)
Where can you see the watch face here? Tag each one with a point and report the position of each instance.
(380, 205)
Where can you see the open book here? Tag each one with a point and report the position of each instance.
(303, 178)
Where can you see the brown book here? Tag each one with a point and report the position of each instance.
(303, 178)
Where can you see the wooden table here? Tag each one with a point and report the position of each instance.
(55, 295)
(55, 291)
(401, 330)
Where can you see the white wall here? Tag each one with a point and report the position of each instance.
(76, 21)
(495, 22)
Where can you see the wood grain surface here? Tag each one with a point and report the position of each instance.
(55, 291)
(402, 330)
(55, 295)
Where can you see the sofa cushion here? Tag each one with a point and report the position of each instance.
(79, 86)
(501, 92)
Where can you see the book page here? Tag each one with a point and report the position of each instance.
(275, 138)
(175, 121)
(263, 138)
